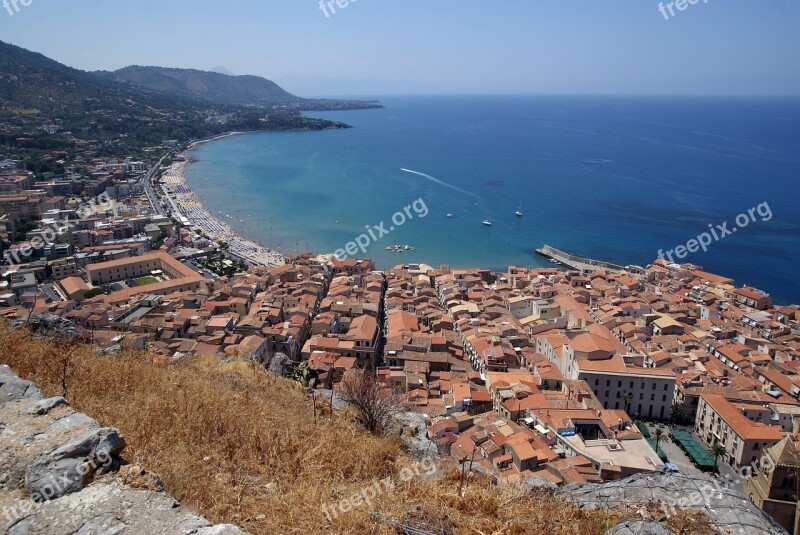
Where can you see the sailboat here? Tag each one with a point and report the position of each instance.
(518, 213)
(487, 222)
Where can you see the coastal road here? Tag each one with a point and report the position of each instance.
(148, 185)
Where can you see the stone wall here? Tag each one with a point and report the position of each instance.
(62, 473)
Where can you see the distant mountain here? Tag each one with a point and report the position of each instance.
(224, 89)
(203, 85)
(39, 96)
(29, 80)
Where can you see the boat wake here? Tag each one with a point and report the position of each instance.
(440, 182)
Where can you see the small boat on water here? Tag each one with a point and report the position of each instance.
(487, 222)
(450, 216)
(518, 213)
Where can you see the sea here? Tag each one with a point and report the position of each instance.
(612, 178)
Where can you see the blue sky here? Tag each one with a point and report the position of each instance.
(448, 46)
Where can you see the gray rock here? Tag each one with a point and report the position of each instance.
(338, 401)
(101, 442)
(46, 405)
(52, 326)
(50, 478)
(639, 527)
(55, 454)
(22, 527)
(279, 364)
(108, 506)
(413, 429)
(70, 466)
(72, 421)
(728, 510)
(102, 525)
(12, 387)
(534, 482)
(221, 529)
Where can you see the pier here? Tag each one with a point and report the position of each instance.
(583, 264)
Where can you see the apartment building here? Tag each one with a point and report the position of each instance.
(736, 427)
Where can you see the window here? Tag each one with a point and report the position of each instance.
(664, 398)
(642, 386)
(618, 396)
(619, 384)
(608, 383)
(652, 397)
(641, 396)
(631, 385)
(666, 387)
(596, 382)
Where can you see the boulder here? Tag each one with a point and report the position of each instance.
(69, 467)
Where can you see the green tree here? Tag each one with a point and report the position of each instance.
(676, 413)
(717, 451)
(658, 437)
(626, 398)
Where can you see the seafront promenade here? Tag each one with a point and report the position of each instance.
(188, 208)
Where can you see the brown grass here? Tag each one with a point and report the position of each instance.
(245, 448)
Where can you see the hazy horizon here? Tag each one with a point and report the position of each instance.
(736, 47)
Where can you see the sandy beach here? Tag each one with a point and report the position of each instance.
(191, 208)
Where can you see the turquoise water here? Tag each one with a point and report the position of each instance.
(611, 178)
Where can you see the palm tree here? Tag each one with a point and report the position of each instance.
(717, 450)
(676, 412)
(626, 397)
(658, 436)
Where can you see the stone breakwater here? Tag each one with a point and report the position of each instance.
(61, 473)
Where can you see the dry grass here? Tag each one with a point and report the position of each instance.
(245, 448)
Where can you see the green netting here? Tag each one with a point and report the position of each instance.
(696, 451)
(644, 430)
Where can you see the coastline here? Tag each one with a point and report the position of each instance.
(188, 205)
(541, 224)
(194, 144)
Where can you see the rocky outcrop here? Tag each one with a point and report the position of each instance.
(639, 527)
(279, 364)
(59, 474)
(657, 496)
(52, 326)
